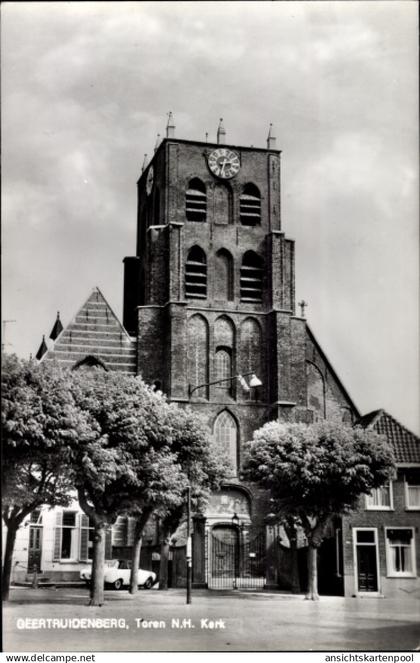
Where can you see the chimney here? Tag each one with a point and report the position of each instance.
(271, 138)
(170, 127)
(221, 133)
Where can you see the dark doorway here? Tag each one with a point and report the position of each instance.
(366, 557)
(34, 548)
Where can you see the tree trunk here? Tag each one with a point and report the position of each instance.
(135, 554)
(135, 563)
(164, 560)
(12, 528)
(312, 593)
(295, 580)
(98, 566)
(291, 531)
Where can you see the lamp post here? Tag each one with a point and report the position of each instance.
(254, 382)
(189, 546)
(235, 523)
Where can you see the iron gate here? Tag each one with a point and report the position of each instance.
(236, 561)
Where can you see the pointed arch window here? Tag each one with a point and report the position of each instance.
(223, 361)
(250, 206)
(252, 271)
(226, 434)
(223, 276)
(196, 201)
(196, 274)
(198, 353)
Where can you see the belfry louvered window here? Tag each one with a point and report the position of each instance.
(196, 274)
(250, 206)
(251, 277)
(196, 201)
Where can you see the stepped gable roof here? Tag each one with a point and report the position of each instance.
(95, 336)
(406, 445)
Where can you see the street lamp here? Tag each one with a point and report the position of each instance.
(236, 562)
(254, 382)
(189, 546)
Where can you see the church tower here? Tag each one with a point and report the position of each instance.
(210, 294)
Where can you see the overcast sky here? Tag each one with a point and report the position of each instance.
(86, 88)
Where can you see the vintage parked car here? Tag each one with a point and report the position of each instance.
(117, 575)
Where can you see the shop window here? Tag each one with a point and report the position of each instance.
(400, 552)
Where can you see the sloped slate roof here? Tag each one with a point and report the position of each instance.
(406, 445)
(95, 333)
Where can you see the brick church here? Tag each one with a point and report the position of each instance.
(210, 318)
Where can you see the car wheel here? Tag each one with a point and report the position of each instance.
(117, 584)
(149, 583)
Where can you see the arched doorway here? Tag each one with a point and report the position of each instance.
(237, 560)
(224, 557)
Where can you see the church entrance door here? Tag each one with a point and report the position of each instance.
(235, 561)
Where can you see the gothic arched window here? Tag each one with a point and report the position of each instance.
(226, 434)
(197, 354)
(252, 271)
(196, 274)
(196, 201)
(250, 206)
(223, 363)
(251, 354)
(223, 276)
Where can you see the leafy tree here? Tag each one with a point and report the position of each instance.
(123, 454)
(204, 466)
(39, 423)
(316, 472)
(191, 459)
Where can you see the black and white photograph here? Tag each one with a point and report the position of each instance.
(210, 327)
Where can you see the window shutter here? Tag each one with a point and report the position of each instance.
(83, 536)
(58, 535)
(108, 543)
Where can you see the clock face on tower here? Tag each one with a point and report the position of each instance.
(149, 181)
(223, 163)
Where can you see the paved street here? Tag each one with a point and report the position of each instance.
(215, 621)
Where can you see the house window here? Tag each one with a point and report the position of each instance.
(226, 434)
(196, 201)
(73, 537)
(86, 537)
(251, 281)
(412, 499)
(250, 206)
(196, 274)
(69, 536)
(380, 498)
(400, 554)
